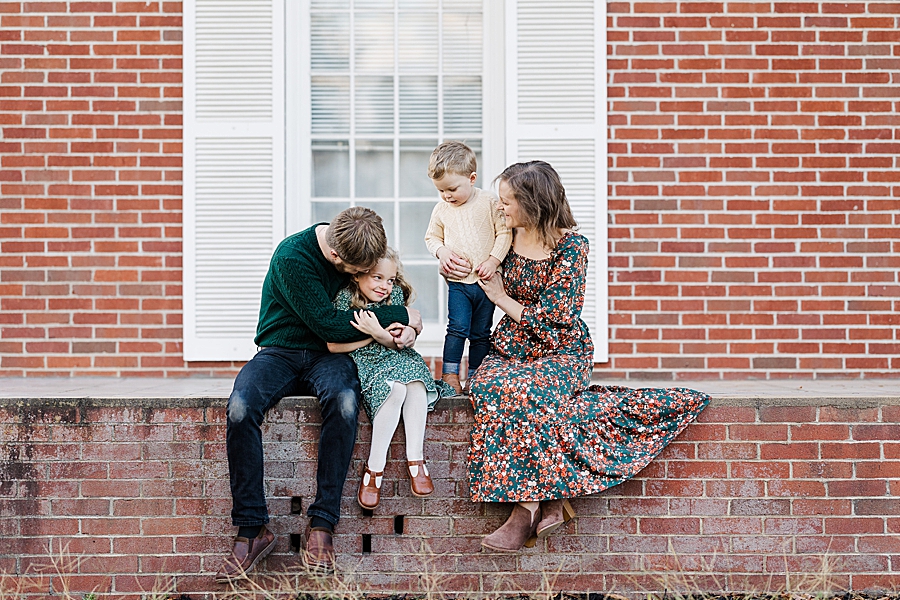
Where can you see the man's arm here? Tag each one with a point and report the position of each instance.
(304, 294)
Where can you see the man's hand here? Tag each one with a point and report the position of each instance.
(453, 265)
(415, 319)
(405, 338)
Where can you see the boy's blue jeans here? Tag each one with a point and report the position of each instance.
(470, 316)
(271, 375)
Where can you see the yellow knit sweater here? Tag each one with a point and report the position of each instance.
(475, 231)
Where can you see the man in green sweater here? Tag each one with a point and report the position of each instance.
(296, 321)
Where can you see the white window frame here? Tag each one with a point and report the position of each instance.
(291, 201)
(298, 192)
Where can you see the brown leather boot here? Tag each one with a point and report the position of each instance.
(515, 533)
(245, 555)
(554, 514)
(452, 379)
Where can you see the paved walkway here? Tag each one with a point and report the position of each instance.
(780, 391)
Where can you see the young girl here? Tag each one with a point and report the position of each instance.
(393, 381)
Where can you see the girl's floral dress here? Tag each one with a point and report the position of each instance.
(540, 431)
(380, 366)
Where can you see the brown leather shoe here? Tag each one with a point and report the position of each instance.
(452, 379)
(554, 514)
(369, 494)
(245, 554)
(319, 552)
(518, 531)
(420, 483)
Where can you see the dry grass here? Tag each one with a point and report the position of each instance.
(702, 581)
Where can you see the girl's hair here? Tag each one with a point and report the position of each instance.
(357, 300)
(542, 199)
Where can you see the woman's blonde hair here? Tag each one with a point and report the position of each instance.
(357, 300)
(542, 199)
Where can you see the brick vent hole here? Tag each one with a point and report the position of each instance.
(296, 505)
(296, 542)
(398, 524)
(367, 543)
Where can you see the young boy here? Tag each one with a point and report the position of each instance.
(468, 234)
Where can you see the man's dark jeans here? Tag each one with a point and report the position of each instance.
(470, 315)
(270, 376)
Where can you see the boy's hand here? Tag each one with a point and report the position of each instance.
(486, 269)
(453, 265)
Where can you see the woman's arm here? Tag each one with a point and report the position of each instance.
(560, 302)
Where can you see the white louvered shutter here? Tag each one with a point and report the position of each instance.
(233, 169)
(556, 112)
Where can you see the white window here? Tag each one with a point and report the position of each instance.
(363, 90)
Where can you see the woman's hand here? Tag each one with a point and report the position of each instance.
(496, 293)
(493, 287)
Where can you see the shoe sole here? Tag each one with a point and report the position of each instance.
(500, 550)
(265, 552)
(548, 531)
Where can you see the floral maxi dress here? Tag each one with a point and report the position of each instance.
(541, 432)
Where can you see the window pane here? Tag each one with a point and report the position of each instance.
(326, 211)
(417, 46)
(320, 4)
(330, 41)
(330, 97)
(374, 169)
(462, 33)
(385, 210)
(374, 33)
(414, 217)
(331, 169)
(375, 105)
(419, 105)
(425, 280)
(414, 180)
(462, 106)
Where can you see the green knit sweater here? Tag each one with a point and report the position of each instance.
(296, 309)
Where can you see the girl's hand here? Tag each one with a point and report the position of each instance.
(493, 287)
(367, 322)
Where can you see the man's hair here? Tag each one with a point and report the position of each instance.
(357, 236)
(452, 157)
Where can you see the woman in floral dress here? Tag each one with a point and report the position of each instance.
(542, 434)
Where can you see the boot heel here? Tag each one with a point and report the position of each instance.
(568, 511)
(530, 542)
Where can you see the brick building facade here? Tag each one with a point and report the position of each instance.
(754, 220)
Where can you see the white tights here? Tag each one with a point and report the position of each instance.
(411, 400)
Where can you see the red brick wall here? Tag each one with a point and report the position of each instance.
(753, 189)
(797, 497)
